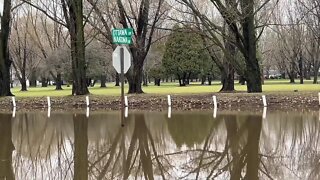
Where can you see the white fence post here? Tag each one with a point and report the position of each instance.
(87, 100)
(49, 101)
(169, 100)
(14, 102)
(215, 103)
(126, 101)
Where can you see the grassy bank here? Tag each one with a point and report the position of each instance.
(270, 86)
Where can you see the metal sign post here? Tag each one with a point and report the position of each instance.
(122, 84)
(122, 36)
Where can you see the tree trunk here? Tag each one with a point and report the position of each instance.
(188, 78)
(145, 79)
(182, 81)
(253, 73)
(307, 72)
(234, 146)
(6, 148)
(242, 80)
(157, 81)
(316, 72)
(117, 79)
(44, 82)
(80, 146)
(33, 79)
(252, 149)
(79, 86)
(227, 69)
(59, 82)
(103, 81)
(227, 79)
(301, 73)
(209, 80)
(24, 85)
(5, 62)
(291, 77)
(135, 78)
(203, 80)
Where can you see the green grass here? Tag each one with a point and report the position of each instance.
(170, 88)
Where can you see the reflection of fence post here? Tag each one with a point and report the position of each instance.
(264, 100)
(126, 112)
(215, 103)
(169, 112)
(169, 100)
(14, 102)
(215, 112)
(319, 98)
(264, 113)
(49, 112)
(88, 112)
(14, 112)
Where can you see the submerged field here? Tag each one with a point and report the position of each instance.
(172, 88)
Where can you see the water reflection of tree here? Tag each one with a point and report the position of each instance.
(237, 158)
(80, 122)
(131, 154)
(43, 146)
(6, 147)
(290, 146)
(189, 129)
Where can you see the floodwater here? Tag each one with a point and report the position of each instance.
(189, 145)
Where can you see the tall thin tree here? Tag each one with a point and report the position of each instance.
(5, 62)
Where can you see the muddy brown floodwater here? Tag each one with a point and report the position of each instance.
(189, 145)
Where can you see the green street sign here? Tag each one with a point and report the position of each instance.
(122, 36)
(128, 32)
(121, 40)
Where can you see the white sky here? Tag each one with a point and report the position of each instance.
(1, 6)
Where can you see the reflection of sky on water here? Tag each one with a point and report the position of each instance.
(172, 148)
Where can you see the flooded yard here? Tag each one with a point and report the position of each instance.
(188, 145)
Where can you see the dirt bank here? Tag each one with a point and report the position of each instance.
(227, 101)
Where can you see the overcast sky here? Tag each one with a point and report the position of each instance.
(1, 6)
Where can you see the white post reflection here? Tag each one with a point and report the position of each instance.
(14, 112)
(88, 112)
(215, 110)
(169, 112)
(126, 112)
(49, 112)
(14, 102)
(264, 113)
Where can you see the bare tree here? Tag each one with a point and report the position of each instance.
(5, 62)
(72, 19)
(143, 16)
(310, 12)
